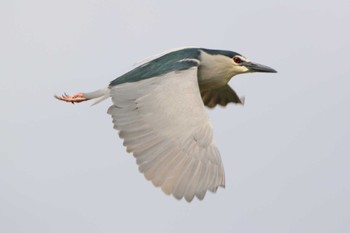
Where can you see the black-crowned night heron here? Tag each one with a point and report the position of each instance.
(158, 109)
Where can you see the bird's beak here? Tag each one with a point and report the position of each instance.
(254, 67)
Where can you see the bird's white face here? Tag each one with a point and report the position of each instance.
(217, 70)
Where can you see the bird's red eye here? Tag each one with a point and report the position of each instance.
(237, 60)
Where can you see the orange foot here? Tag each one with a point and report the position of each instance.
(77, 98)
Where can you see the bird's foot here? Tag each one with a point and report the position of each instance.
(77, 98)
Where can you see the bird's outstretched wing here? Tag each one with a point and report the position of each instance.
(164, 124)
(222, 96)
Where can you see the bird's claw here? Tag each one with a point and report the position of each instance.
(77, 98)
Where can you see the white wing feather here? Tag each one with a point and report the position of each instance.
(164, 124)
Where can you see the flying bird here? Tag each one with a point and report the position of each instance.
(159, 111)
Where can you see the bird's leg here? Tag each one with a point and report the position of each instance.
(77, 98)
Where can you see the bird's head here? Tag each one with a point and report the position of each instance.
(221, 66)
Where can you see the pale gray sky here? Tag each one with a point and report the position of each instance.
(286, 152)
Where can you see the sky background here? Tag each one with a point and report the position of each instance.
(286, 152)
